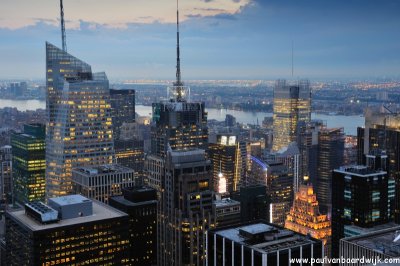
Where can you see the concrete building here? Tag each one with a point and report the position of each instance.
(226, 212)
(102, 182)
(368, 248)
(259, 243)
(140, 203)
(71, 230)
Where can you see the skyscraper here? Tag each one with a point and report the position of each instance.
(140, 203)
(292, 104)
(122, 109)
(229, 163)
(382, 133)
(29, 163)
(178, 168)
(6, 172)
(79, 129)
(185, 208)
(330, 156)
(359, 197)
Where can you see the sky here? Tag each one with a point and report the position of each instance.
(220, 39)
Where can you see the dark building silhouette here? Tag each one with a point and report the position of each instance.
(253, 202)
(122, 109)
(140, 203)
(330, 156)
(360, 197)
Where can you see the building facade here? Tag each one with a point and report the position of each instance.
(229, 163)
(226, 212)
(330, 157)
(29, 163)
(292, 104)
(360, 196)
(304, 217)
(6, 173)
(71, 230)
(79, 129)
(103, 181)
(260, 243)
(140, 203)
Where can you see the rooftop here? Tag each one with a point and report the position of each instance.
(69, 200)
(264, 237)
(386, 241)
(102, 169)
(100, 212)
(225, 203)
(359, 170)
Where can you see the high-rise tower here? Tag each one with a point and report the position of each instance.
(79, 129)
(292, 104)
(178, 168)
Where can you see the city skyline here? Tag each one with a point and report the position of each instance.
(223, 39)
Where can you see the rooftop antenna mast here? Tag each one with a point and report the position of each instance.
(178, 83)
(63, 36)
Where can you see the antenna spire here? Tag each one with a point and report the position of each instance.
(63, 36)
(178, 83)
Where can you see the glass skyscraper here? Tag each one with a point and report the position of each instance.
(29, 163)
(292, 104)
(79, 129)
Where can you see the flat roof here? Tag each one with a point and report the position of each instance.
(274, 238)
(383, 241)
(70, 199)
(103, 169)
(359, 170)
(225, 203)
(126, 202)
(101, 211)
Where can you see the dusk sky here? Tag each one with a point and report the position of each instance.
(220, 39)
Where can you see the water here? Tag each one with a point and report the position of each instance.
(23, 105)
(350, 123)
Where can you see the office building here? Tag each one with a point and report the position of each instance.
(279, 185)
(304, 217)
(102, 182)
(360, 197)
(230, 120)
(382, 133)
(185, 208)
(29, 163)
(254, 203)
(229, 163)
(259, 243)
(226, 212)
(122, 109)
(79, 130)
(370, 247)
(307, 141)
(130, 153)
(292, 104)
(140, 203)
(70, 230)
(290, 157)
(330, 157)
(6, 172)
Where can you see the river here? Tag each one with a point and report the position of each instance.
(350, 123)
